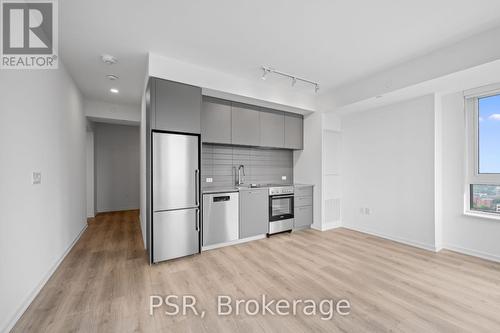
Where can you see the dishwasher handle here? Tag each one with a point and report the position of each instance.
(222, 198)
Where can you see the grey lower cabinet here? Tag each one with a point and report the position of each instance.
(175, 106)
(216, 121)
(272, 129)
(245, 125)
(254, 212)
(294, 127)
(303, 206)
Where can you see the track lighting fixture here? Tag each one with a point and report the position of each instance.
(267, 70)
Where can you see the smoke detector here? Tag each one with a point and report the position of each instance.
(109, 59)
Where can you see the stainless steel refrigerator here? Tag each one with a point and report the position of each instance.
(175, 195)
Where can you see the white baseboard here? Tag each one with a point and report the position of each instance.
(327, 226)
(474, 253)
(420, 245)
(237, 241)
(331, 225)
(40, 285)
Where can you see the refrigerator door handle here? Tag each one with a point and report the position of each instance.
(197, 219)
(197, 185)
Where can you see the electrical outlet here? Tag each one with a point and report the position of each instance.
(283, 177)
(36, 178)
(209, 180)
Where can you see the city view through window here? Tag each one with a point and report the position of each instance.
(485, 198)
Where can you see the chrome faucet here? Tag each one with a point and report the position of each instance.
(240, 176)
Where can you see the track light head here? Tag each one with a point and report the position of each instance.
(316, 88)
(294, 80)
(264, 73)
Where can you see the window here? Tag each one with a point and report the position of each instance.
(489, 134)
(483, 152)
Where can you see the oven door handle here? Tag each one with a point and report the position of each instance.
(281, 196)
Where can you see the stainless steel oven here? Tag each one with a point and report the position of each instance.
(281, 201)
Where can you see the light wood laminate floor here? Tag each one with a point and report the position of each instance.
(104, 285)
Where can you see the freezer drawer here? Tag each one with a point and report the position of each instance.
(175, 171)
(175, 234)
(220, 218)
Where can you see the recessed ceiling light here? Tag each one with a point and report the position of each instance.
(109, 59)
(112, 77)
(114, 90)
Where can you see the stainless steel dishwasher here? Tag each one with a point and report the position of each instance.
(220, 218)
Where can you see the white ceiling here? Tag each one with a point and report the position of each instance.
(331, 41)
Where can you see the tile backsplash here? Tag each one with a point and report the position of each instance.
(262, 166)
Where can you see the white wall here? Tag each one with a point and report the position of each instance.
(117, 167)
(332, 176)
(42, 128)
(475, 236)
(124, 114)
(90, 173)
(142, 170)
(388, 167)
(438, 172)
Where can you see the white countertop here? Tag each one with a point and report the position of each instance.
(228, 189)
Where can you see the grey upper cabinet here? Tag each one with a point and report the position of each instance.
(176, 106)
(227, 122)
(272, 129)
(254, 214)
(245, 125)
(294, 127)
(216, 121)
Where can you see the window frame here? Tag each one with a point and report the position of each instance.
(473, 176)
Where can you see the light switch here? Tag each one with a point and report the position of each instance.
(209, 180)
(36, 178)
(283, 177)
